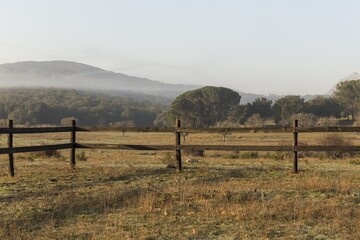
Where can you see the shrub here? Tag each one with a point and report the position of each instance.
(278, 155)
(242, 155)
(335, 140)
(355, 161)
(233, 155)
(226, 124)
(255, 121)
(326, 122)
(48, 154)
(28, 156)
(309, 154)
(81, 156)
(305, 119)
(128, 123)
(168, 158)
(193, 152)
(3, 122)
(248, 155)
(67, 121)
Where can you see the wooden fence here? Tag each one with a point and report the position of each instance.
(177, 147)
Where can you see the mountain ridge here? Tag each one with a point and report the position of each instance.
(67, 74)
(74, 75)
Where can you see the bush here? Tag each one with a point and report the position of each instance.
(248, 155)
(125, 124)
(28, 156)
(67, 121)
(233, 155)
(3, 122)
(309, 154)
(81, 156)
(335, 140)
(242, 155)
(193, 152)
(355, 161)
(226, 124)
(48, 154)
(278, 155)
(327, 122)
(168, 158)
(305, 119)
(255, 121)
(42, 154)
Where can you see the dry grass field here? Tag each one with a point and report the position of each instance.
(133, 195)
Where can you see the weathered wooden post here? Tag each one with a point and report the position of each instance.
(295, 147)
(178, 145)
(10, 146)
(73, 142)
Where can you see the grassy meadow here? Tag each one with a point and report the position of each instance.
(135, 195)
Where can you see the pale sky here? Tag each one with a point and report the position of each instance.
(258, 46)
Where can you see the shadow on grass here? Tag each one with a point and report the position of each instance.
(138, 174)
(216, 175)
(76, 184)
(69, 204)
(69, 207)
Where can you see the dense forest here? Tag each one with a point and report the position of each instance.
(53, 106)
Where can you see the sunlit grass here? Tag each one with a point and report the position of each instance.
(133, 195)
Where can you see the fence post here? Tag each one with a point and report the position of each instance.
(73, 142)
(10, 146)
(178, 145)
(295, 147)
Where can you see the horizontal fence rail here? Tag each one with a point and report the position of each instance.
(126, 129)
(35, 148)
(270, 130)
(177, 146)
(327, 129)
(186, 147)
(127, 147)
(36, 130)
(224, 130)
(183, 147)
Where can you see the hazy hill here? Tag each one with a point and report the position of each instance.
(250, 97)
(350, 77)
(74, 75)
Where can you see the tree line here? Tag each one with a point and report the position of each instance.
(55, 106)
(216, 106)
(204, 107)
